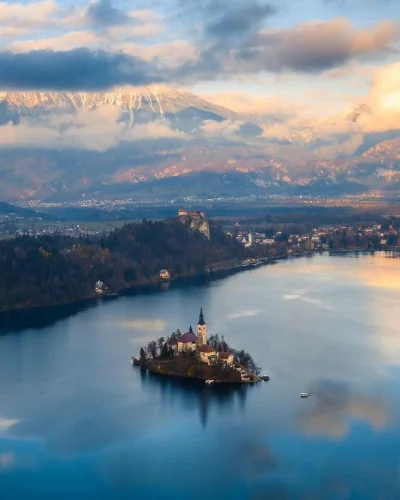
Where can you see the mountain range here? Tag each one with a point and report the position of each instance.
(158, 143)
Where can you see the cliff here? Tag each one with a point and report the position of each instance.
(196, 221)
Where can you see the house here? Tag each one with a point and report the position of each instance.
(99, 287)
(204, 352)
(164, 274)
(226, 357)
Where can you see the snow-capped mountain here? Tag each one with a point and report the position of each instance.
(201, 148)
(150, 103)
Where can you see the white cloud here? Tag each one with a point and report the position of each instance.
(227, 128)
(67, 41)
(97, 130)
(154, 130)
(27, 15)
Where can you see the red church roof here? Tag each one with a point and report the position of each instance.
(206, 348)
(224, 355)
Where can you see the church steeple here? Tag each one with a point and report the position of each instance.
(201, 318)
(190, 329)
(201, 330)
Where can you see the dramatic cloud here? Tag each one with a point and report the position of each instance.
(103, 14)
(77, 69)
(233, 19)
(307, 48)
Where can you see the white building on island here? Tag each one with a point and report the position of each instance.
(190, 342)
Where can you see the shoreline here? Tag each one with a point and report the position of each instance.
(158, 284)
(220, 271)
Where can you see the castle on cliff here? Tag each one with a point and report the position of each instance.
(196, 219)
(189, 342)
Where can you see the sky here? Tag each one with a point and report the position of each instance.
(315, 56)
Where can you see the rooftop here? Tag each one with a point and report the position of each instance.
(188, 337)
(206, 348)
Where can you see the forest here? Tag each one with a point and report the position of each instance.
(46, 270)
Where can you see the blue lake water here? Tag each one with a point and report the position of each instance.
(78, 422)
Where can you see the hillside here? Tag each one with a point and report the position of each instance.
(8, 209)
(156, 143)
(54, 269)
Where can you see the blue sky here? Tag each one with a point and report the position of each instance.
(263, 55)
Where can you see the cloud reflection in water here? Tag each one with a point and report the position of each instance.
(336, 406)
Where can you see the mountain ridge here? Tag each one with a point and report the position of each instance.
(196, 136)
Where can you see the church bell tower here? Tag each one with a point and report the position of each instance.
(201, 330)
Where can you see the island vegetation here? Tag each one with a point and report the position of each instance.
(160, 357)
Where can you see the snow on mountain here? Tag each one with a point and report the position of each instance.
(158, 99)
(241, 156)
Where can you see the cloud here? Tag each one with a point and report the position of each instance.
(157, 129)
(96, 130)
(34, 14)
(221, 19)
(249, 104)
(65, 42)
(312, 47)
(227, 128)
(235, 19)
(384, 100)
(317, 46)
(102, 13)
(171, 53)
(76, 69)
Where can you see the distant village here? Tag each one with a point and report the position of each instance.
(323, 238)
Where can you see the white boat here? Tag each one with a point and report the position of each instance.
(209, 381)
(304, 395)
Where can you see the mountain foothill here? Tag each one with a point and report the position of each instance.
(158, 143)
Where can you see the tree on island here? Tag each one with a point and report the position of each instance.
(152, 348)
(160, 343)
(242, 357)
(142, 354)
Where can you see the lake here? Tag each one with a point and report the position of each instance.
(78, 422)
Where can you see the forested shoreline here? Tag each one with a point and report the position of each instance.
(50, 270)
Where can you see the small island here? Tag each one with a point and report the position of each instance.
(192, 355)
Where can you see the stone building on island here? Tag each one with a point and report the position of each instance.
(197, 344)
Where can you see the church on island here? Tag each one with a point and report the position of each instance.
(189, 342)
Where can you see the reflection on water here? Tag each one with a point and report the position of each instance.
(334, 407)
(77, 421)
(188, 393)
